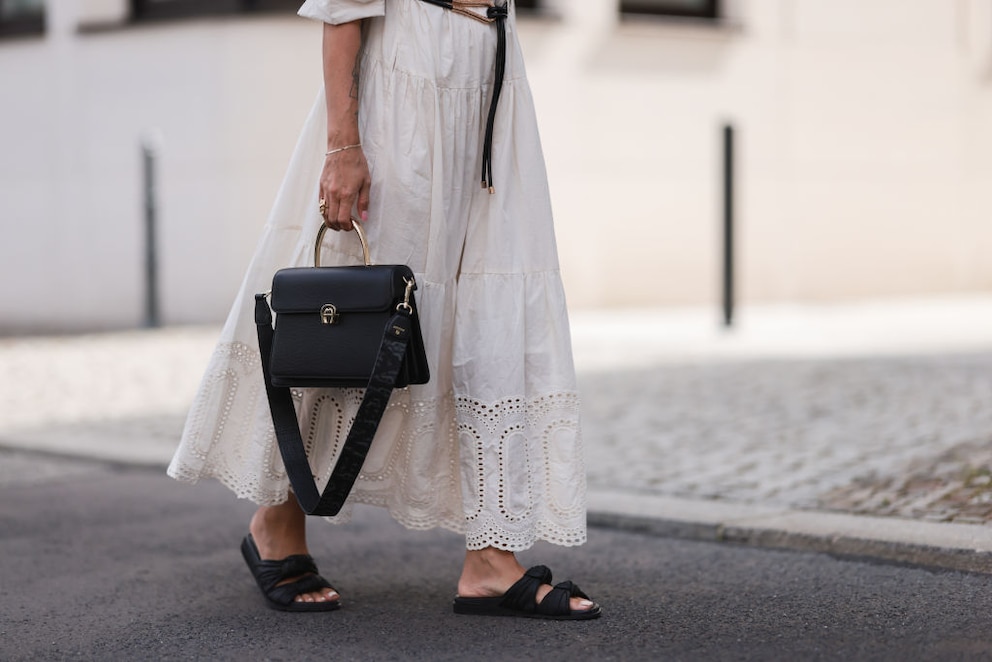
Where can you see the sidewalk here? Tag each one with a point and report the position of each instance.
(859, 429)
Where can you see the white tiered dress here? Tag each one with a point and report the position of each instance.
(491, 447)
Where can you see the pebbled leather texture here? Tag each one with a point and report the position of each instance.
(306, 289)
(309, 353)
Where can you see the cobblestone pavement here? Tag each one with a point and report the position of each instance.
(906, 436)
(955, 485)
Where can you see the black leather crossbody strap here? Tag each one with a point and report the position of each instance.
(396, 337)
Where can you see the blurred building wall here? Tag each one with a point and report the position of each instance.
(865, 152)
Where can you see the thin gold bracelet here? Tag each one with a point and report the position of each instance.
(341, 149)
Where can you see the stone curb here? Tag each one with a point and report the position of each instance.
(949, 546)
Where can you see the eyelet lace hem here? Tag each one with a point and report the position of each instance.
(504, 473)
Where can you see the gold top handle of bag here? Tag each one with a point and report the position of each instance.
(361, 237)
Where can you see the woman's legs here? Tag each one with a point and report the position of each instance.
(489, 572)
(280, 531)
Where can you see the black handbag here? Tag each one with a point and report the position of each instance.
(337, 327)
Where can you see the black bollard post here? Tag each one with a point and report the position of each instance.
(728, 225)
(148, 156)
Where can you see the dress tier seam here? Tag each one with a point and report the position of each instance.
(374, 65)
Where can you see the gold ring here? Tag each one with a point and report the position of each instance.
(322, 206)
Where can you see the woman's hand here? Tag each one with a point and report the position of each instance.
(344, 186)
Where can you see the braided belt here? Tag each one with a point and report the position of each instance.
(493, 14)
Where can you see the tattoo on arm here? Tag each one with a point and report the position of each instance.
(353, 93)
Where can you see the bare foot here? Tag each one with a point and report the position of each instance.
(489, 572)
(280, 531)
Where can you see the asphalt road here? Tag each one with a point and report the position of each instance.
(115, 563)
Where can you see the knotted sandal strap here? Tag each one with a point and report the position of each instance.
(522, 596)
(556, 602)
(270, 573)
(521, 600)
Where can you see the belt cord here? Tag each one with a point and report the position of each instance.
(494, 14)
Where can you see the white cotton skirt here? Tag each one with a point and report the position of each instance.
(491, 447)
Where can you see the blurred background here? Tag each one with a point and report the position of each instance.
(862, 149)
(846, 144)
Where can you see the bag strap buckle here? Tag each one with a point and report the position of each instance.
(404, 305)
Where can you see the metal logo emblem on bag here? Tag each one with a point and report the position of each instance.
(329, 313)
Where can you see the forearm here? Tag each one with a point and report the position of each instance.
(341, 49)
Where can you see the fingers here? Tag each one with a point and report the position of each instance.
(328, 211)
(363, 201)
(342, 220)
(344, 187)
(336, 210)
(337, 207)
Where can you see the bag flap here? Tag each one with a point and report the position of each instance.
(350, 289)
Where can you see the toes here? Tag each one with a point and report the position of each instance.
(580, 604)
(320, 595)
(325, 596)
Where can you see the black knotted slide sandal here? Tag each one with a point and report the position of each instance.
(520, 600)
(268, 574)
